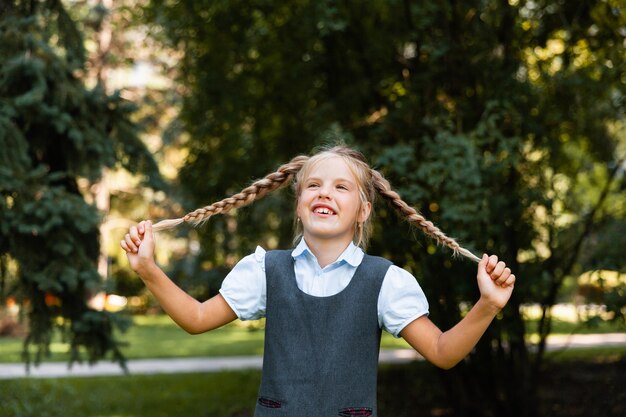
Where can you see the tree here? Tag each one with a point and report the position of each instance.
(56, 136)
(501, 121)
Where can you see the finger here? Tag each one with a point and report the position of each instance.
(483, 261)
(504, 276)
(510, 281)
(493, 261)
(147, 229)
(125, 246)
(498, 270)
(141, 227)
(129, 243)
(134, 234)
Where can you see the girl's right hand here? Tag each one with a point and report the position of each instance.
(495, 281)
(139, 245)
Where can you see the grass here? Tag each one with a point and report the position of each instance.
(598, 354)
(159, 337)
(228, 394)
(225, 394)
(571, 389)
(572, 327)
(233, 394)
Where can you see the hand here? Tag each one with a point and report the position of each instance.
(495, 281)
(139, 246)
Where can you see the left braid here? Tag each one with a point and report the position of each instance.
(257, 190)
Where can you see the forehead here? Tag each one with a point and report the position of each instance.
(332, 167)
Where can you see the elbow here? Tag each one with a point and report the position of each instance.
(442, 357)
(446, 366)
(443, 363)
(195, 323)
(192, 330)
(195, 329)
(192, 327)
(446, 361)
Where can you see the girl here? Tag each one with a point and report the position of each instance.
(325, 301)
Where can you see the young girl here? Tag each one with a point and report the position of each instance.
(325, 301)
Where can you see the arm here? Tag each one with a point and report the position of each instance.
(193, 316)
(446, 349)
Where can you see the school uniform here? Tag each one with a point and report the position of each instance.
(323, 326)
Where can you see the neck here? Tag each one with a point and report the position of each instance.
(326, 251)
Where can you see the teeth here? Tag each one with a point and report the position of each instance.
(323, 210)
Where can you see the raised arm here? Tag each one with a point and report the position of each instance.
(191, 315)
(446, 349)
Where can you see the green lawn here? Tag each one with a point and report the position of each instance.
(569, 327)
(597, 354)
(159, 337)
(225, 394)
(189, 395)
(403, 391)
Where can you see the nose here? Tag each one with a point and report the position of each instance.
(324, 192)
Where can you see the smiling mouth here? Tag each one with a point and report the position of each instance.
(323, 210)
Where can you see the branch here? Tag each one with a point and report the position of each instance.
(545, 322)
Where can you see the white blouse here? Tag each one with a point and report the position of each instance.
(400, 301)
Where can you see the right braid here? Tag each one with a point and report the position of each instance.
(256, 191)
(288, 171)
(414, 217)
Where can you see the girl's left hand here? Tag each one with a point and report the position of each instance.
(495, 281)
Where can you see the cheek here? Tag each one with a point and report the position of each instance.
(300, 205)
(352, 204)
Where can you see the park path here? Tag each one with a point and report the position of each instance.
(216, 364)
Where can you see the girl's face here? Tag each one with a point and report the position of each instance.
(329, 204)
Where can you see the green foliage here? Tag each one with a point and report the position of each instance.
(499, 120)
(54, 133)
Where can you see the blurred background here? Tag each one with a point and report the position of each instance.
(503, 122)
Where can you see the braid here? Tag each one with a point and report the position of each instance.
(293, 169)
(256, 191)
(414, 217)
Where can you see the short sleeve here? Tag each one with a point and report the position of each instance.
(244, 288)
(401, 300)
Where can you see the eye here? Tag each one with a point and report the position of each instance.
(342, 187)
(312, 185)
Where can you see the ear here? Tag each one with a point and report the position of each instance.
(298, 206)
(364, 214)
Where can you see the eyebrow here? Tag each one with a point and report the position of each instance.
(341, 179)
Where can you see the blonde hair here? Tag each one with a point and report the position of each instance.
(370, 183)
(360, 170)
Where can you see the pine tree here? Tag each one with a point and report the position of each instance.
(56, 136)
